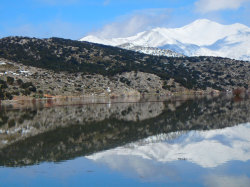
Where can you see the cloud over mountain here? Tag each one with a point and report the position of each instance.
(205, 6)
(135, 22)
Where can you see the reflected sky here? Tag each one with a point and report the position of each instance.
(195, 158)
(82, 171)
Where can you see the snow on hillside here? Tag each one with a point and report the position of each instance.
(150, 50)
(200, 38)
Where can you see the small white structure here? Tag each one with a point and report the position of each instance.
(108, 90)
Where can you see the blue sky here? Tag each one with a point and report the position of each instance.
(110, 18)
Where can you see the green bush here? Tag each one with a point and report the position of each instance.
(19, 82)
(10, 80)
(3, 84)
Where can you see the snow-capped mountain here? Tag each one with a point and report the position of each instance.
(208, 149)
(202, 37)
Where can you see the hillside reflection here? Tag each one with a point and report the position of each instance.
(37, 134)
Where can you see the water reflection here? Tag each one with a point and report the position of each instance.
(210, 158)
(36, 134)
(180, 142)
(204, 148)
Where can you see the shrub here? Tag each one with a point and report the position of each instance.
(11, 123)
(26, 85)
(10, 80)
(19, 82)
(32, 88)
(3, 84)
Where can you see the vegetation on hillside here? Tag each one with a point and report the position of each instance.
(59, 55)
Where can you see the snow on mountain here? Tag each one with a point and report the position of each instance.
(205, 148)
(202, 37)
(150, 50)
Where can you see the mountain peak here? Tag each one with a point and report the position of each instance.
(202, 24)
(203, 21)
(201, 37)
(210, 23)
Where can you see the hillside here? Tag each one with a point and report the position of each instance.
(55, 65)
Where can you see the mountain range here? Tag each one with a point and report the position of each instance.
(199, 38)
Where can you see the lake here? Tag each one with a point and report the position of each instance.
(154, 141)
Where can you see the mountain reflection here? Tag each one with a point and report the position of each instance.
(36, 134)
(205, 148)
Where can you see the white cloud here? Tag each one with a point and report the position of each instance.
(229, 181)
(133, 23)
(136, 167)
(205, 6)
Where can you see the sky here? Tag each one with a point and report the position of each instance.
(75, 19)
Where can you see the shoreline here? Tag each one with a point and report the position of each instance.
(26, 101)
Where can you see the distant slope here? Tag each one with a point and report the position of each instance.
(150, 50)
(73, 56)
(200, 38)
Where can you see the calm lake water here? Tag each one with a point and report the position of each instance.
(132, 142)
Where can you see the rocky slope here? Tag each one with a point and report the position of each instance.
(59, 66)
(21, 80)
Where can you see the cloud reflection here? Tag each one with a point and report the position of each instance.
(207, 149)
